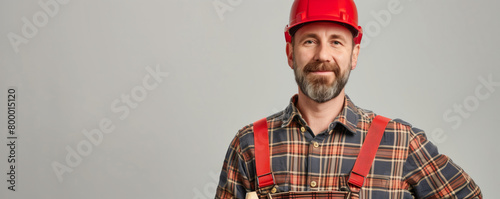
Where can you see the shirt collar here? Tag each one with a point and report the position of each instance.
(348, 117)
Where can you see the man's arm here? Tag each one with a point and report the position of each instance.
(433, 175)
(233, 182)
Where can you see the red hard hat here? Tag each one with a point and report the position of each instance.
(342, 11)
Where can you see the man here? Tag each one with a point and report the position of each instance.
(316, 141)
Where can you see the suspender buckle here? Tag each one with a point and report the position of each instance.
(348, 195)
(348, 191)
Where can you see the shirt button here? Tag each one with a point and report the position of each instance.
(313, 184)
(315, 144)
(302, 129)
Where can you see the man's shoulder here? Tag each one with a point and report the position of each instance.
(273, 121)
(396, 124)
(402, 126)
(400, 121)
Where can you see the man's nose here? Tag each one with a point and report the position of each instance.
(323, 53)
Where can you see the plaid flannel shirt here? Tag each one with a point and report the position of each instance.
(406, 165)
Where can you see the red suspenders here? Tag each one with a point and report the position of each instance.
(368, 150)
(262, 157)
(359, 171)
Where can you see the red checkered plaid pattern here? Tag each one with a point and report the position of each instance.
(407, 165)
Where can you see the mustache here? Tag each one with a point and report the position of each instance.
(322, 66)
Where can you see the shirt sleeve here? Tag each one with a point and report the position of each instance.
(434, 175)
(233, 182)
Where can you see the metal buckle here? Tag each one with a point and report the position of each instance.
(348, 195)
(348, 190)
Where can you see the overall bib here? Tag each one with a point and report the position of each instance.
(265, 179)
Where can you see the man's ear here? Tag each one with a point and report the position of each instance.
(289, 54)
(354, 58)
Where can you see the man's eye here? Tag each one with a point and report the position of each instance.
(309, 42)
(336, 42)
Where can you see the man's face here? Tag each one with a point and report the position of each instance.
(322, 57)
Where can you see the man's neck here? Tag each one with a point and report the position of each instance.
(319, 115)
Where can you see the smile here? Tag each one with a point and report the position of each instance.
(321, 72)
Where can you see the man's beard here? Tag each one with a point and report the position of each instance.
(317, 87)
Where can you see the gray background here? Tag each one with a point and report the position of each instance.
(225, 70)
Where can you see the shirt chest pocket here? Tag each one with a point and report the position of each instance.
(376, 186)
